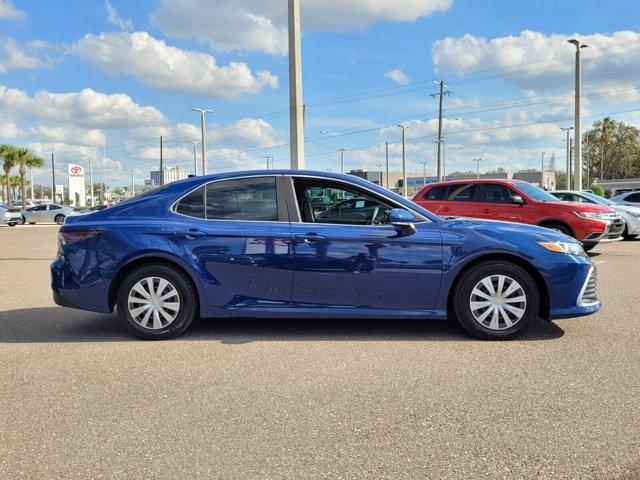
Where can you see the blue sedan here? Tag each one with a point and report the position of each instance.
(255, 244)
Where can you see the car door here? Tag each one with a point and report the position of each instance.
(361, 261)
(461, 200)
(37, 213)
(496, 204)
(236, 234)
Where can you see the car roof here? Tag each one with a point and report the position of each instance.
(475, 180)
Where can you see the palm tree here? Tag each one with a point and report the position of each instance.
(25, 158)
(8, 162)
(14, 182)
(605, 129)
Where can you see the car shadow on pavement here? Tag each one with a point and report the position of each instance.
(57, 324)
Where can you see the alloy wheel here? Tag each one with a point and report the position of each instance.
(153, 303)
(498, 302)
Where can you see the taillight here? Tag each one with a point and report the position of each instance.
(67, 236)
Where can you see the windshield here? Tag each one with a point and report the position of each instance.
(598, 199)
(536, 193)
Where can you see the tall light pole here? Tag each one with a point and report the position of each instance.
(90, 177)
(440, 157)
(477, 160)
(296, 113)
(53, 180)
(577, 164)
(195, 157)
(203, 112)
(133, 183)
(379, 165)
(31, 181)
(342, 160)
(404, 160)
(386, 162)
(568, 156)
(268, 159)
(542, 170)
(424, 173)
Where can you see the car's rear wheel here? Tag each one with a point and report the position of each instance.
(59, 219)
(496, 300)
(156, 302)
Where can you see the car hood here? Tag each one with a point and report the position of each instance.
(495, 228)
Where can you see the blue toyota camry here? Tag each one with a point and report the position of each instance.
(312, 244)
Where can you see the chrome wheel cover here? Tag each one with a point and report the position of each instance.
(153, 303)
(498, 302)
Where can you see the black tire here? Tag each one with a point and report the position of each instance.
(187, 297)
(559, 227)
(462, 297)
(32, 223)
(12, 224)
(59, 219)
(588, 248)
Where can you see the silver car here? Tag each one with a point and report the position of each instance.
(51, 212)
(10, 215)
(630, 214)
(631, 199)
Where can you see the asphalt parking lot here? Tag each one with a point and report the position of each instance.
(80, 398)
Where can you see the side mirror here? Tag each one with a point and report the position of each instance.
(517, 199)
(403, 220)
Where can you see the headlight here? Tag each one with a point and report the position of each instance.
(596, 215)
(563, 247)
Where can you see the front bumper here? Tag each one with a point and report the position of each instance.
(612, 233)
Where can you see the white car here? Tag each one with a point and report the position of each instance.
(51, 212)
(629, 213)
(629, 198)
(10, 215)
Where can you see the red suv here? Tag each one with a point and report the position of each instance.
(517, 201)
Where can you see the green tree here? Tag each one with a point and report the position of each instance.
(14, 182)
(7, 156)
(611, 149)
(26, 159)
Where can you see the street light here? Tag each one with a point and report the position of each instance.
(477, 160)
(404, 160)
(268, 158)
(195, 158)
(203, 111)
(90, 176)
(379, 165)
(542, 171)
(568, 157)
(424, 173)
(577, 167)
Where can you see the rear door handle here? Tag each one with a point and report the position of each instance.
(309, 237)
(191, 233)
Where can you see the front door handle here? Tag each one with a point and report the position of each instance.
(191, 233)
(309, 237)
(486, 210)
(445, 209)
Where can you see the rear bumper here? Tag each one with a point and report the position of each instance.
(69, 291)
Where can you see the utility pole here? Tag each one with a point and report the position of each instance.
(577, 166)
(379, 165)
(195, 157)
(424, 173)
(441, 95)
(386, 161)
(268, 159)
(568, 157)
(104, 176)
(53, 179)
(161, 163)
(133, 184)
(571, 150)
(404, 160)
(542, 171)
(477, 160)
(31, 181)
(342, 160)
(296, 114)
(204, 139)
(90, 177)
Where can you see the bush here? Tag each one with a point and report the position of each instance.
(598, 190)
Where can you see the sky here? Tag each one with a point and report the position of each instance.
(108, 78)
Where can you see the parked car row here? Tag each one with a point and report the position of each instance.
(42, 213)
(590, 222)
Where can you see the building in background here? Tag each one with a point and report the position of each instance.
(167, 175)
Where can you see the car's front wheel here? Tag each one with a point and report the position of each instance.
(496, 300)
(59, 219)
(156, 302)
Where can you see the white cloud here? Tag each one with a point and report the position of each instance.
(9, 11)
(262, 25)
(13, 56)
(155, 63)
(398, 76)
(114, 19)
(69, 134)
(87, 108)
(546, 60)
(9, 130)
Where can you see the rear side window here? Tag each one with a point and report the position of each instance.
(634, 197)
(436, 193)
(241, 199)
(496, 193)
(462, 193)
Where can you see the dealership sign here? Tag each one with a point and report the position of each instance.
(76, 185)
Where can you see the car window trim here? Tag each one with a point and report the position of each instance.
(298, 216)
(282, 210)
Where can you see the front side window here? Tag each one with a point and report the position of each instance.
(238, 199)
(347, 206)
(496, 193)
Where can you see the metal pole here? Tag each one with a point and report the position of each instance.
(104, 179)
(379, 165)
(386, 160)
(577, 166)
(31, 181)
(542, 171)
(568, 156)
(90, 178)
(404, 161)
(267, 158)
(161, 163)
(296, 114)
(53, 179)
(133, 184)
(195, 157)
(440, 155)
(342, 160)
(203, 111)
(424, 173)
(477, 160)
